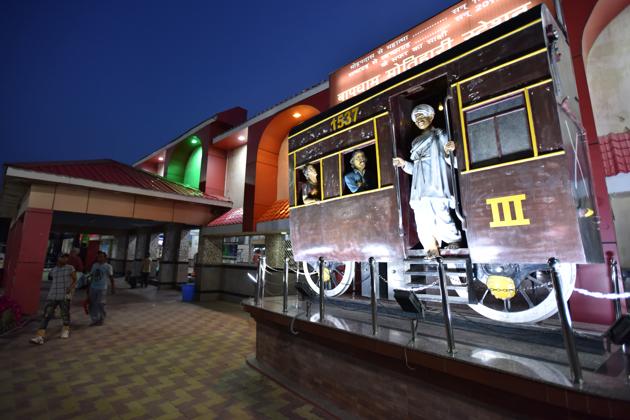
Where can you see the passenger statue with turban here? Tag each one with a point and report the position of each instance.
(430, 198)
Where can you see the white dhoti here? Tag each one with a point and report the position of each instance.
(433, 215)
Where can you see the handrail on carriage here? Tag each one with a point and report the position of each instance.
(451, 157)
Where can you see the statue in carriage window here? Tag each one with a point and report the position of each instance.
(310, 189)
(359, 177)
(431, 198)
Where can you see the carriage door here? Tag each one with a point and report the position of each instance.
(432, 92)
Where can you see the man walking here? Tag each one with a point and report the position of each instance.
(60, 295)
(101, 274)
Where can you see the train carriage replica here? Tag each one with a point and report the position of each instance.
(519, 176)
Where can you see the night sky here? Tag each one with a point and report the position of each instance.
(118, 79)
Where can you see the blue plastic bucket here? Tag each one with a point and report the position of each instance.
(188, 292)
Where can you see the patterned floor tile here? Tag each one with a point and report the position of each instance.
(155, 357)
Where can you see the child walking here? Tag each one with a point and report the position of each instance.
(64, 280)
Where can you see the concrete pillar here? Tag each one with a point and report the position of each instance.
(170, 255)
(131, 253)
(183, 260)
(275, 248)
(118, 258)
(142, 248)
(154, 252)
(209, 267)
(26, 252)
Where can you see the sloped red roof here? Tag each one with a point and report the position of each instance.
(231, 217)
(278, 210)
(113, 172)
(615, 148)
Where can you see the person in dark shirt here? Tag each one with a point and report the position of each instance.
(358, 179)
(75, 260)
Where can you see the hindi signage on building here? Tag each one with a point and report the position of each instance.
(453, 26)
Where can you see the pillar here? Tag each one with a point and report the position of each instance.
(143, 237)
(118, 258)
(275, 249)
(154, 252)
(131, 253)
(209, 267)
(170, 255)
(183, 260)
(26, 253)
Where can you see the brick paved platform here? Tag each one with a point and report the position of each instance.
(155, 357)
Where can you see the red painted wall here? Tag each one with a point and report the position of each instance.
(216, 165)
(26, 252)
(595, 277)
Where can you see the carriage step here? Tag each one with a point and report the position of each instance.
(433, 262)
(417, 286)
(434, 273)
(444, 252)
(437, 298)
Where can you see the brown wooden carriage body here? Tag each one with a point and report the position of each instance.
(520, 204)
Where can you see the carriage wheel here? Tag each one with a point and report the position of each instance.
(528, 297)
(337, 276)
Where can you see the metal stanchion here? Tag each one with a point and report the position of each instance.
(263, 275)
(614, 277)
(373, 294)
(285, 287)
(414, 323)
(321, 289)
(565, 322)
(446, 309)
(258, 279)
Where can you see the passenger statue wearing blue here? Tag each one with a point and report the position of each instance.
(358, 179)
(430, 198)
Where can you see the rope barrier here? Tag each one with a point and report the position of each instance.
(600, 295)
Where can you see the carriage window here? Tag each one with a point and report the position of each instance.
(308, 180)
(359, 170)
(498, 132)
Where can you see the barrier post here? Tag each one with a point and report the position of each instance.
(321, 289)
(373, 295)
(258, 279)
(614, 278)
(446, 309)
(565, 322)
(285, 287)
(263, 275)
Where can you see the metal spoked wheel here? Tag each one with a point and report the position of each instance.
(337, 276)
(515, 293)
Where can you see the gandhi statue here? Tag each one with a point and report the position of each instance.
(430, 198)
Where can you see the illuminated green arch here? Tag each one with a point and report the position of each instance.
(185, 163)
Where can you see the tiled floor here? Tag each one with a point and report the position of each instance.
(155, 357)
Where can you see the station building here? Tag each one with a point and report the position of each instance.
(203, 205)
